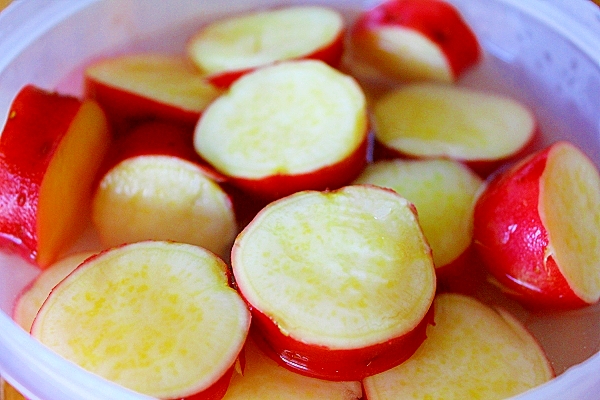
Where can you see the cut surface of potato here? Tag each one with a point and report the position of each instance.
(570, 211)
(472, 351)
(156, 317)
(443, 191)
(157, 197)
(429, 120)
(340, 282)
(264, 37)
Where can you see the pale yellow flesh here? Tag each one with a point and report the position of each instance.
(443, 191)
(163, 198)
(291, 118)
(156, 317)
(29, 303)
(66, 191)
(344, 270)
(263, 378)
(441, 120)
(400, 53)
(261, 38)
(472, 352)
(570, 211)
(172, 80)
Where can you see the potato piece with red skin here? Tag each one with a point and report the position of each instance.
(134, 88)
(154, 186)
(431, 120)
(227, 49)
(537, 229)
(156, 317)
(45, 182)
(340, 283)
(296, 125)
(410, 40)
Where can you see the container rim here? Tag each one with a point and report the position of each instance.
(40, 17)
(576, 20)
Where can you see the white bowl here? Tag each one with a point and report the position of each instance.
(543, 52)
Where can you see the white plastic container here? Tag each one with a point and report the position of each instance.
(543, 52)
